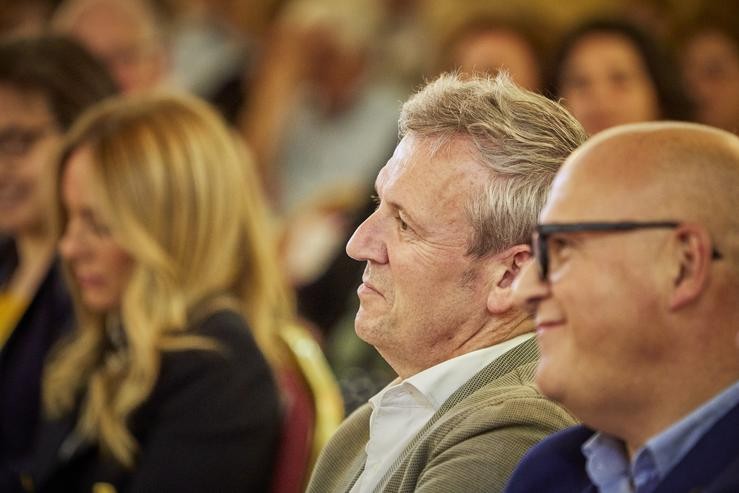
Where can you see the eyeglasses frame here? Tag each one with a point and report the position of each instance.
(544, 231)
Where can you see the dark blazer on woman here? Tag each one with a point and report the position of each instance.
(46, 318)
(210, 425)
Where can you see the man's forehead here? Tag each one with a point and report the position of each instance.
(424, 161)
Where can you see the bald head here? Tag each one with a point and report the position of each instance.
(655, 171)
(637, 277)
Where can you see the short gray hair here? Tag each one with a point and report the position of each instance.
(521, 137)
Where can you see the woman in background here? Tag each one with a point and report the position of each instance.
(609, 73)
(45, 83)
(162, 386)
(710, 63)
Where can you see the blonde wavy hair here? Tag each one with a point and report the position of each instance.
(181, 197)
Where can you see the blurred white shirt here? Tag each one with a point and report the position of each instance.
(401, 409)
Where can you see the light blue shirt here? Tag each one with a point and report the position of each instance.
(607, 462)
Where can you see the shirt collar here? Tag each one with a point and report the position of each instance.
(607, 462)
(436, 384)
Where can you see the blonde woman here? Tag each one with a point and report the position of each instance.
(162, 387)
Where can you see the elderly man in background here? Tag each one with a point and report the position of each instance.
(456, 205)
(636, 290)
(127, 35)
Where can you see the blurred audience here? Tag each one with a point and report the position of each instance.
(162, 383)
(215, 46)
(127, 35)
(710, 62)
(609, 72)
(45, 83)
(316, 102)
(26, 18)
(405, 48)
(490, 45)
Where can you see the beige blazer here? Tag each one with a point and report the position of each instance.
(472, 443)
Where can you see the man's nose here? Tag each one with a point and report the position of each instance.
(368, 242)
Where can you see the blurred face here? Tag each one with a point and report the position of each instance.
(422, 297)
(101, 268)
(28, 140)
(496, 50)
(120, 39)
(605, 83)
(595, 314)
(711, 70)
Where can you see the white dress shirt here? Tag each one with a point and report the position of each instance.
(401, 409)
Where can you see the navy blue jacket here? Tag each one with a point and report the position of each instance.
(46, 318)
(557, 464)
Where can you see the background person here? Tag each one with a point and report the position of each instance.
(609, 72)
(710, 64)
(490, 45)
(127, 35)
(635, 304)
(45, 84)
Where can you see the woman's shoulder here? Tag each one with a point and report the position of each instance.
(227, 328)
(224, 344)
(223, 323)
(224, 355)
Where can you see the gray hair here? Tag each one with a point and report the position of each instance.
(520, 136)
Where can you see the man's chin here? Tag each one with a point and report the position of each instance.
(543, 378)
(367, 329)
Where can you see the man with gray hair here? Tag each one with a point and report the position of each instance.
(457, 203)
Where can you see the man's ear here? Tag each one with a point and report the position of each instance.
(692, 262)
(506, 267)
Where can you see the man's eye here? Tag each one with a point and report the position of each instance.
(375, 200)
(557, 244)
(402, 224)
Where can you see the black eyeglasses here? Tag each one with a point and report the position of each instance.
(16, 142)
(544, 231)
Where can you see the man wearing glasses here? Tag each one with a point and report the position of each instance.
(635, 290)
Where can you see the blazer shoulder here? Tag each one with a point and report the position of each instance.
(555, 465)
(234, 342)
(341, 460)
(234, 363)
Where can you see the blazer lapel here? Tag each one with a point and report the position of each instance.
(711, 456)
(525, 352)
(58, 444)
(360, 430)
